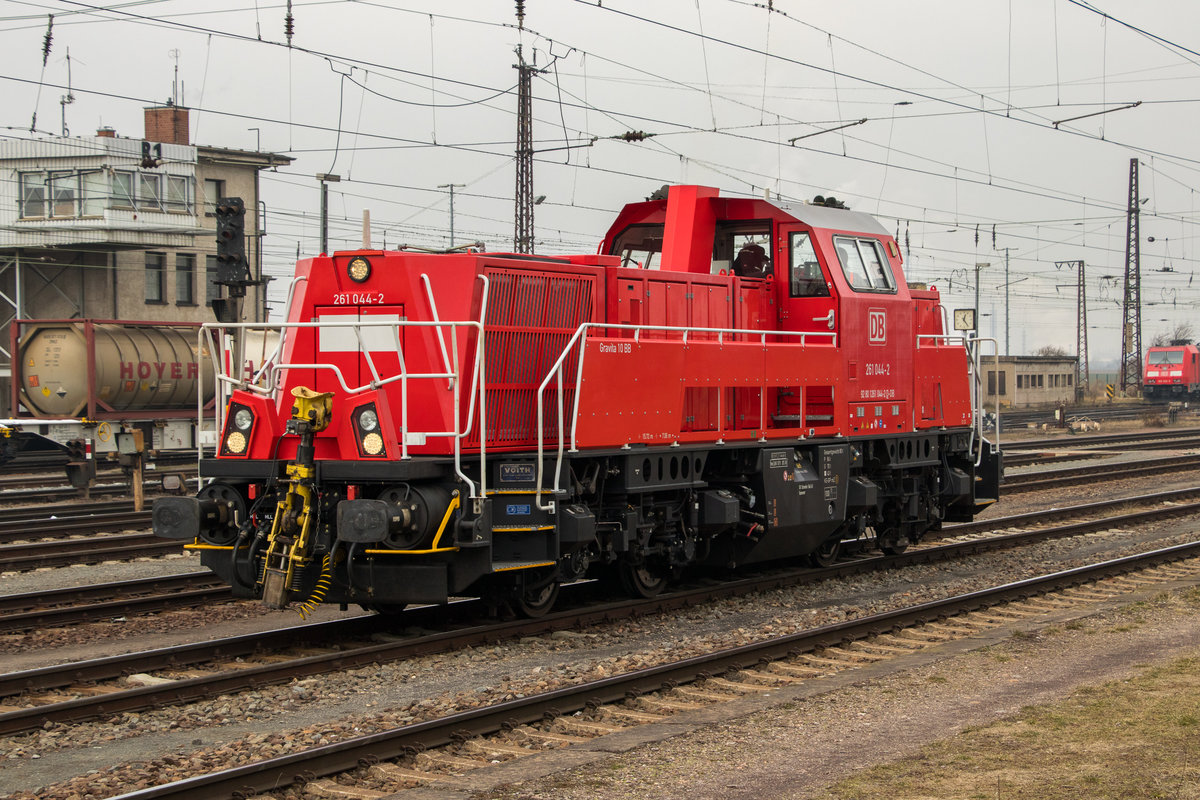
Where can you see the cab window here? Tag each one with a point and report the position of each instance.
(743, 248)
(864, 264)
(640, 246)
(806, 278)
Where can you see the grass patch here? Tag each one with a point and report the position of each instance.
(1137, 738)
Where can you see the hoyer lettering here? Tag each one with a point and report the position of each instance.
(176, 370)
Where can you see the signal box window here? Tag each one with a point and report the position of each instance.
(64, 188)
(185, 279)
(178, 194)
(806, 279)
(33, 194)
(156, 268)
(149, 192)
(214, 190)
(122, 189)
(864, 265)
(212, 289)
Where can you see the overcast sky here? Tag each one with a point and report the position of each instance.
(960, 152)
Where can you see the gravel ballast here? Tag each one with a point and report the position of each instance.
(159, 745)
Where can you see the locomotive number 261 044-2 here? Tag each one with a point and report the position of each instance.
(357, 298)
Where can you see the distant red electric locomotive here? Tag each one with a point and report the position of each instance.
(1172, 373)
(726, 382)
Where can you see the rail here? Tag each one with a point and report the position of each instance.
(577, 340)
(267, 380)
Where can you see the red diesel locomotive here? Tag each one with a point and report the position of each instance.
(1172, 373)
(725, 382)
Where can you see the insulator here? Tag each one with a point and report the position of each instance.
(47, 39)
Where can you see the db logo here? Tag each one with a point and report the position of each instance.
(876, 326)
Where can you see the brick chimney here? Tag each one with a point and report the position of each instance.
(167, 124)
(106, 133)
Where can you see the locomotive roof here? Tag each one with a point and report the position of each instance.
(835, 218)
(733, 209)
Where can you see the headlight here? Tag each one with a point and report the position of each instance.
(236, 443)
(243, 419)
(372, 444)
(368, 432)
(359, 269)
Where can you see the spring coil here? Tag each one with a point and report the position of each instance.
(324, 581)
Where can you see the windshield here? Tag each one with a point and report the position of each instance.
(863, 264)
(1166, 357)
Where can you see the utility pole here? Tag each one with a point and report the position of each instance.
(1007, 349)
(1131, 329)
(451, 187)
(523, 216)
(325, 179)
(978, 266)
(1082, 372)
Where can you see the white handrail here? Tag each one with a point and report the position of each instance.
(287, 313)
(434, 311)
(580, 332)
(227, 382)
(977, 386)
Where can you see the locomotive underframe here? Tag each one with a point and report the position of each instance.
(644, 514)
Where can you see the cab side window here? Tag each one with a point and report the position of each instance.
(806, 278)
(864, 264)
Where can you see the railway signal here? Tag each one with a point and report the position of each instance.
(233, 270)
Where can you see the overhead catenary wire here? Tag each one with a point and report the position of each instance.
(697, 161)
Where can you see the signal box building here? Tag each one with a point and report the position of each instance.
(109, 227)
(1028, 381)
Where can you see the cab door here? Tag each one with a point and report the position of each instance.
(808, 302)
(877, 322)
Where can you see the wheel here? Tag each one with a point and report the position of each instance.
(640, 580)
(535, 601)
(828, 552)
(891, 542)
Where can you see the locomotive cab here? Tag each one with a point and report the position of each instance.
(1172, 372)
(726, 381)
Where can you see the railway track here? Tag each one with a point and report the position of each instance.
(104, 601)
(79, 604)
(196, 671)
(1097, 440)
(28, 514)
(1051, 479)
(89, 550)
(437, 752)
(1124, 411)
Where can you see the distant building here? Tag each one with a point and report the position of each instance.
(107, 227)
(1028, 381)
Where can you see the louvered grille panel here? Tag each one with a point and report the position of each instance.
(531, 317)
